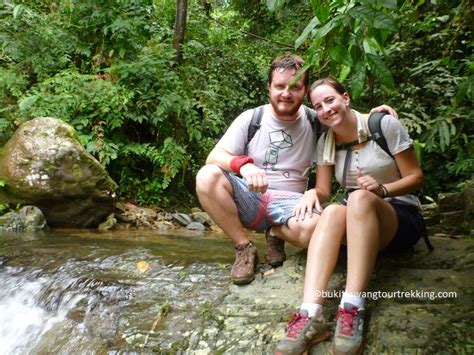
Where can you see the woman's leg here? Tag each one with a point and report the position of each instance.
(371, 225)
(323, 252)
(309, 326)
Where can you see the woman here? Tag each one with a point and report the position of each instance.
(379, 214)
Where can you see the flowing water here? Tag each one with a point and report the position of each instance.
(90, 292)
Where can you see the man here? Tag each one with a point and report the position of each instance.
(274, 168)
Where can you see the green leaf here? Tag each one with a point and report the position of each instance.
(373, 18)
(358, 79)
(380, 70)
(17, 11)
(299, 74)
(341, 55)
(345, 71)
(444, 135)
(323, 31)
(274, 4)
(371, 45)
(389, 4)
(27, 102)
(314, 22)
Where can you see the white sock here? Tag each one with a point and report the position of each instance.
(313, 309)
(351, 298)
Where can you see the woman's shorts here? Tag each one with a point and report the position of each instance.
(410, 226)
(259, 211)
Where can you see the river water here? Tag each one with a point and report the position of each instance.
(86, 291)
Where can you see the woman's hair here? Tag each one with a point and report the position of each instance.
(329, 81)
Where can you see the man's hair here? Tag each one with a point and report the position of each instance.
(287, 61)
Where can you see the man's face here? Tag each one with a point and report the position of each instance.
(286, 100)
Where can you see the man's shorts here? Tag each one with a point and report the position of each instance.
(259, 211)
(410, 226)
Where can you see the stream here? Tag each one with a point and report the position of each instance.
(83, 291)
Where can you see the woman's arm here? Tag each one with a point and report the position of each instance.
(324, 174)
(410, 170)
(313, 197)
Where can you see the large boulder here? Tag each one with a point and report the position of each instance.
(45, 165)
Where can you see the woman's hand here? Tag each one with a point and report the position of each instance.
(367, 182)
(307, 205)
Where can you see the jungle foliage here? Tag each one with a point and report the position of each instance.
(109, 68)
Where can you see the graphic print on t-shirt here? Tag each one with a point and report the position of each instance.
(278, 140)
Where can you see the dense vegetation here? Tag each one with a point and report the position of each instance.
(110, 69)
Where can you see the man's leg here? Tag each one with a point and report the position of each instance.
(215, 194)
(297, 233)
(216, 197)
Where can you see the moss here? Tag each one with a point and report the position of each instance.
(77, 172)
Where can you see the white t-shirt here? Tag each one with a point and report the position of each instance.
(372, 160)
(282, 149)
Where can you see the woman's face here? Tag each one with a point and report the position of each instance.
(330, 106)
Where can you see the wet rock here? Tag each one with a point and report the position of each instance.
(108, 224)
(252, 318)
(196, 226)
(33, 218)
(11, 222)
(203, 218)
(182, 218)
(45, 165)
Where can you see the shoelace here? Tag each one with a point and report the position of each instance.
(295, 326)
(346, 318)
(243, 254)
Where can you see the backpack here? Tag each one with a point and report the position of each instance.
(316, 126)
(375, 127)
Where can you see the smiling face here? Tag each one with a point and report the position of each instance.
(286, 100)
(331, 106)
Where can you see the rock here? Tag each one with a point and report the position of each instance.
(33, 218)
(203, 218)
(108, 224)
(182, 218)
(45, 165)
(453, 201)
(196, 226)
(11, 222)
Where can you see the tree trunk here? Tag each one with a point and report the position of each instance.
(179, 27)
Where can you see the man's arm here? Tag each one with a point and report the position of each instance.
(255, 177)
(221, 158)
(385, 108)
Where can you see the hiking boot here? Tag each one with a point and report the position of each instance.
(348, 334)
(275, 255)
(246, 260)
(302, 333)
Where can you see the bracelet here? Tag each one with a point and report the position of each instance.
(384, 191)
(238, 162)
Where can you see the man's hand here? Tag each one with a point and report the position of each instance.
(255, 177)
(385, 108)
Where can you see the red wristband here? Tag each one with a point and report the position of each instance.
(238, 162)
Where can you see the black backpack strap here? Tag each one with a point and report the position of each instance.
(316, 126)
(375, 127)
(255, 122)
(254, 125)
